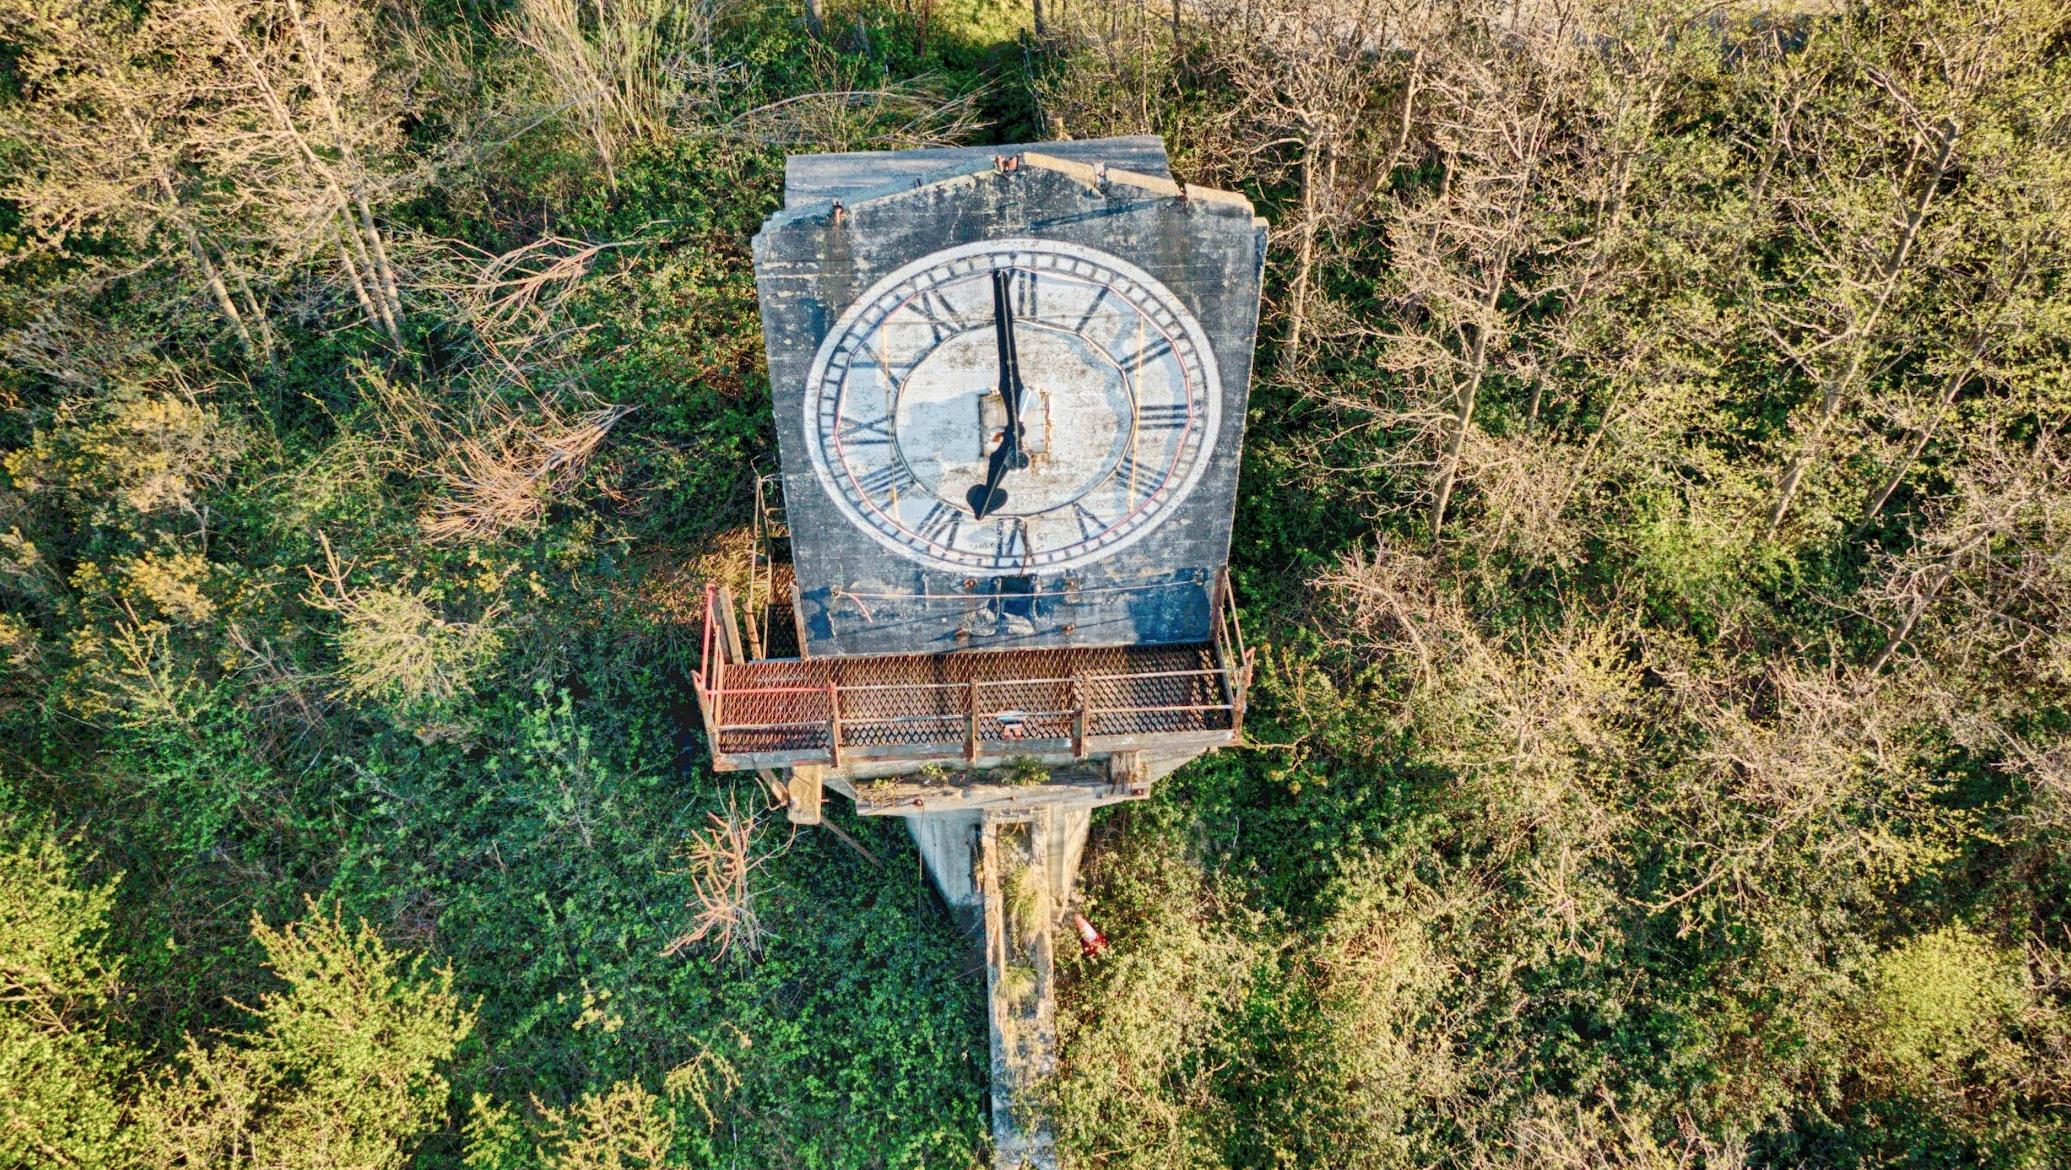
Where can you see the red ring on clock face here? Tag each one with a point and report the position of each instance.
(1120, 407)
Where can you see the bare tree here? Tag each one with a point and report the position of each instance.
(320, 109)
(1863, 188)
(2001, 541)
(1311, 79)
(116, 130)
(1457, 251)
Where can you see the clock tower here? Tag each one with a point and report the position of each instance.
(988, 592)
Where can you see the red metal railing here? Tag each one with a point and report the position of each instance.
(773, 712)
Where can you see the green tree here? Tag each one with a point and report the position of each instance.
(342, 1068)
(59, 1075)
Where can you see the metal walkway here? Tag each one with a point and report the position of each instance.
(777, 712)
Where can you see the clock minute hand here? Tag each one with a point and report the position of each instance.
(1010, 355)
(987, 497)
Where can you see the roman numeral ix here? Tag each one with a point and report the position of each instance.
(876, 432)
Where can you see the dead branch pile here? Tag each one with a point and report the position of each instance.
(721, 863)
(506, 479)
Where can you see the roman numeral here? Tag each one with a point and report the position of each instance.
(1150, 354)
(939, 525)
(1090, 523)
(1011, 544)
(1164, 416)
(868, 357)
(1136, 477)
(875, 432)
(885, 480)
(1092, 311)
(1022, 293)
(942, 318)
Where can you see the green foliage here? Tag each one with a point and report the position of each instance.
(1146, 1030)
(1025, 770)
(341, 1068)
(59, 1077)
(1686, 789)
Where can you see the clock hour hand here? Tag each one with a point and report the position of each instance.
(989, 497)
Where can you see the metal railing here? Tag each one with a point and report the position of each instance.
(771, 712)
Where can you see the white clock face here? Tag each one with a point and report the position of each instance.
(1012, 406)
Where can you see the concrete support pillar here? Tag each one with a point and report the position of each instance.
(981, 860)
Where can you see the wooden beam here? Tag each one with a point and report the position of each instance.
(729, 627)
(834, 724)
(971, 727)
(798, 618)
(1081, 715)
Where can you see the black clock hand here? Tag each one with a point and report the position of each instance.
(988, 497)
(1010, 360)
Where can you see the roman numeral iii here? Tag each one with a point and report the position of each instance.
(1164, 416)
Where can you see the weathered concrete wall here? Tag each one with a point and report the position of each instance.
(813, 259)
(858, 175)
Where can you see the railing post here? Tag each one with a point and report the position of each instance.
(750, 613)
(757, 541)
(971, 726)
(1239, 698)
(716, 666)
(834, 724)
(1080, 716)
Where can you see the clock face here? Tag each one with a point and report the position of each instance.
(1012, 406)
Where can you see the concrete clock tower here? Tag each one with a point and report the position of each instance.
(988, 592)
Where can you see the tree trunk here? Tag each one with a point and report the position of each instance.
(373, 253)
(1449, 467)
(1409, 103)
(313, 165)
(259, 319)
(1921, 437)
(1304, 263)
(1942, 576)
(1477, 366)
(213, 277)
(364, 274)
(359, 284)
(210, 273)
(384, 272)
